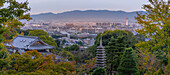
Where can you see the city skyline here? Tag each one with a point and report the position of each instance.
(59, 6)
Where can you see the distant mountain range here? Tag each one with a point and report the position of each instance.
(87, 16)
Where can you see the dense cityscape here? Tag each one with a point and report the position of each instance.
(84, 32)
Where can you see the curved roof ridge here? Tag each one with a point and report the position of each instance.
(28, 36)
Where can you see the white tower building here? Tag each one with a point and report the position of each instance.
(127, 21)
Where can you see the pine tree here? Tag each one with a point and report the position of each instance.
(114, 50)
(127, 63)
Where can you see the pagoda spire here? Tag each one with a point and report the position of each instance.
(101, 40)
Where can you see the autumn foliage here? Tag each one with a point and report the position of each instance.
(34, 62)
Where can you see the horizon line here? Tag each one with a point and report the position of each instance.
(82, 10)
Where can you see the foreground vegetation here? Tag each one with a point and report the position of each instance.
(32, 62)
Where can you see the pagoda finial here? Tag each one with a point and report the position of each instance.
(101, 40)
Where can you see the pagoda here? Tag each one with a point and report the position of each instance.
(100, 55)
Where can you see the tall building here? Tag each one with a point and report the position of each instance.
(100, 55)
(127, 21)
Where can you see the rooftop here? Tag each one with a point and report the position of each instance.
(26, 42)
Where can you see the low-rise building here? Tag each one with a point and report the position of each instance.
(21, 44)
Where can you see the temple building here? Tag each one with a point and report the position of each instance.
(100, 55)
(21, 44)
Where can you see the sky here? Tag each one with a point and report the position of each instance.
(58, 6)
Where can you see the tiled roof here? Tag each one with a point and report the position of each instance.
(40, 47)
(25, 42)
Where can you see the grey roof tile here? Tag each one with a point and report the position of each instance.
(25, 42)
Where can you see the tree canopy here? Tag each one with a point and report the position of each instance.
(156, 24)
(66, 55)
(114, 52)
(11, 16)
(127, 63)
(32, 62)
(72, 48)
(99, 71)
(130, 39)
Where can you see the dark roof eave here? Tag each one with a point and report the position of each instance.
(52, 47)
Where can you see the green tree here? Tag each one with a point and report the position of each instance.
(92, 50)
(58, 36)
(58, 42)
(33, 63)
(156, 24)
(82, 56)
(130, 39)
(89, 67)
(66, 55)
(11, 14)
(73, 48)
(114, 51)
(44, 37)
(80, 43)
(26, 62)
(38, 33)
(4, 59)
(140, 37)
(127, 63)
(65, 68)
(26, 32)
(64, 41)
(10, 17)
(99, 71)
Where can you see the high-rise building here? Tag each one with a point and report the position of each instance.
(127, 21)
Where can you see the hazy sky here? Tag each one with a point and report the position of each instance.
(57, 6)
